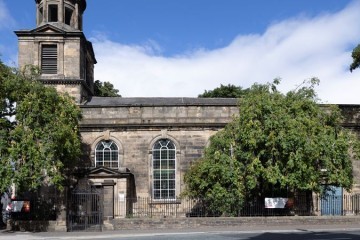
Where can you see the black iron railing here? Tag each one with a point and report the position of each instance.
(302, 205)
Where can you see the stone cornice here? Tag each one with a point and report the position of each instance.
(66, 82)
(147, 126)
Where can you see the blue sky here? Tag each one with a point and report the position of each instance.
(162, 48)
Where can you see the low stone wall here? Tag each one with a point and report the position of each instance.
(178, 223)
(191, 223)
(36, 226)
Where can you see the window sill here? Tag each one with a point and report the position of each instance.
(165, 201)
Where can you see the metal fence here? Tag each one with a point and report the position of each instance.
(301, 205)
(340, 205)
(85, 210)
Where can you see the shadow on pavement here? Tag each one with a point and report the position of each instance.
(302, 235)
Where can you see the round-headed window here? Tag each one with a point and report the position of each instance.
(164, 169)
(107, 154)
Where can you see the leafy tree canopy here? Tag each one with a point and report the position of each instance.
(105, 89)
(39, 135)
(356, 58)
(229, 91)
(277, 142)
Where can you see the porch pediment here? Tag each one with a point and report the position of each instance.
(104, 172)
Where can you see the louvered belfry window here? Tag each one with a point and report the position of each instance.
(49, 59)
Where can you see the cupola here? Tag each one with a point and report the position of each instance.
(67, 12)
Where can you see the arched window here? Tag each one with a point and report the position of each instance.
(164, 168)
(107, 154)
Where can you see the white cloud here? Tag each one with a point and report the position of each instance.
(295, 49)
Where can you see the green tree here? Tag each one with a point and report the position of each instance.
(356, 58)
(40, 141)
(229, 91)
(105, 89)
(278, 142)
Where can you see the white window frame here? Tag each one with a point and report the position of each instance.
(107, 154)
(164, 170)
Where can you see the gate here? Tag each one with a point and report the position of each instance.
(85, 209)
(331, 201)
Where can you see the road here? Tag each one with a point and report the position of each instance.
(274, 235)
(296, 234)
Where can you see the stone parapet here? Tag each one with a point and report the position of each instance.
(157, 113)
(186, 223)
(36, 226)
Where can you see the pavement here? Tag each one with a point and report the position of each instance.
(125, 234)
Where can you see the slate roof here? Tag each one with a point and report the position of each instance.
(158, 101)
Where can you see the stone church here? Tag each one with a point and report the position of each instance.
(133, 147)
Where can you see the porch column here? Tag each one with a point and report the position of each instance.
(108, 186)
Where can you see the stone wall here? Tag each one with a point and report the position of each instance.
(351, 121)
(135, 125)
(75, 57)
(240, 222)
(135, 129)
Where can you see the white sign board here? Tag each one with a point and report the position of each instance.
(275, 202)
(121, 197)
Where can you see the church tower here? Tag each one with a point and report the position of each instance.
(59, 48)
